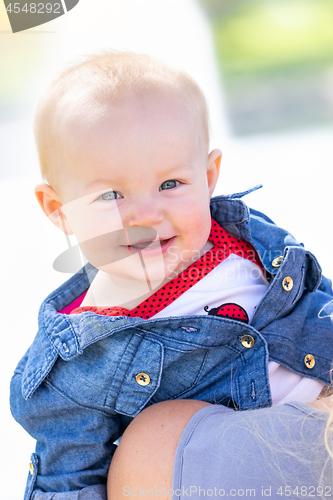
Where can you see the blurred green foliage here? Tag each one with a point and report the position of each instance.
(275, 35)
(276, 61)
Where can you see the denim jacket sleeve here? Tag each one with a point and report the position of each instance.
(74, 444)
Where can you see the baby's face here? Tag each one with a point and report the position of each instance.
(138, 187)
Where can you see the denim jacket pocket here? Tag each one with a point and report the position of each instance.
(33, 471)
(137, 377)
(181, 371)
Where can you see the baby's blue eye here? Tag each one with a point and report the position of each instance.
(109, 196)
(169, 185)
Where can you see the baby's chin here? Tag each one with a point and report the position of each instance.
(153, 276)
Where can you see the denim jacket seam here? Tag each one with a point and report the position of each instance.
(106, 334)
(31, 382)
(75, 403)
(198, 374)
(278, 276)
(194, 383)
(120, 361)
(168, 339)
(283, 339)
(298, 372)
(301, 288)
(197, 345)
(74, 337)
(102, 336)
(201, 367)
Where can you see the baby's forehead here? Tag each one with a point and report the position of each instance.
(91, 113)
(91, 105)
(136, 131)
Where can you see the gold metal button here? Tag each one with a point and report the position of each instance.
(247, 341)
(309, 361)
(31, 467)
(142, 379)
(277, 262)
(287, 283)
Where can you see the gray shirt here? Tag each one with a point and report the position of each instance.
(275, 452)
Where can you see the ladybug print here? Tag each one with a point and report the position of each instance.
(230, 310)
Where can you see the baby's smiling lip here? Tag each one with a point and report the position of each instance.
(149, 244)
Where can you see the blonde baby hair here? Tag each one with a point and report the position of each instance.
(85, 90)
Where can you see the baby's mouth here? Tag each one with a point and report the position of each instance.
(141, 245)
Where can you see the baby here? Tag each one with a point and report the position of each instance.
(183, 295)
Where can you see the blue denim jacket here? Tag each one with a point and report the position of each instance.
(76, 388)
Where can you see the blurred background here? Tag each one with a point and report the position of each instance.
(275, 58)
(266, 68)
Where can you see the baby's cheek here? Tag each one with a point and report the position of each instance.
(100, 250)
(197, 217)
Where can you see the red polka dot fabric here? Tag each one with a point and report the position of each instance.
(224, 245)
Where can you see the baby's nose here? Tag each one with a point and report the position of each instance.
(144, 214)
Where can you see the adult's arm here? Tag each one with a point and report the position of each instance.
(184, 448)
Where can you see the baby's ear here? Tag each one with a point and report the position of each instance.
(213, 169)
(51, 205)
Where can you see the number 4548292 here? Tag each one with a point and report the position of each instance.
(32, 8)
